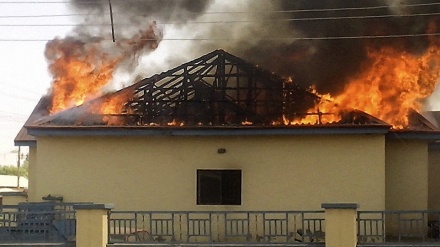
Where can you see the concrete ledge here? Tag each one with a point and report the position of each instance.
(107, 206)
(13, 193)
(340, 205)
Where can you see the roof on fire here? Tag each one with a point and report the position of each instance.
(216, 94)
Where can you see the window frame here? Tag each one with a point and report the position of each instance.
(226, 182)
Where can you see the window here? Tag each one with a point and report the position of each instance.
(218, 187)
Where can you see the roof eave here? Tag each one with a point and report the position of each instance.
(205, 131)
(25, 143)
(414, 135)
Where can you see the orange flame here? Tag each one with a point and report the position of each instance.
(114, 104)
(393, 83)
(81, 69)
(78, 76)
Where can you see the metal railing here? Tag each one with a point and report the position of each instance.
(37, 222)
(398, 226)
(216, 226)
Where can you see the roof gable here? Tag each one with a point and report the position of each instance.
(217, 89)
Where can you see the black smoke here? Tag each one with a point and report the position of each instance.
(333, 49)
(330, 61)
(174, 10)
(131, 22)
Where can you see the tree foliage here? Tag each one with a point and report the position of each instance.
(13, 170)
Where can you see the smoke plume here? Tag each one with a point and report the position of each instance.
(338, 51)
(181, 10)
(321, 43)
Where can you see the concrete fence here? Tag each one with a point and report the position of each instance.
(92, 223)
(340, 225)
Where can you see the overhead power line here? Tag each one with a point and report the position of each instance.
(20, 88)
(229, 21)
(13, 114)
(49, 2)
(45, 16)
(18, 96)
(232, 12)
(103, 2)
(348, 8)
(13, 120)
(318, 38)
(262, 39)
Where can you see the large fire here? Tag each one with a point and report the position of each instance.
(79, 71)
(392, 83)
(82, 69)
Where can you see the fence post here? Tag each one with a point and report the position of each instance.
(91, 224)
(340, 224)
(13, 198)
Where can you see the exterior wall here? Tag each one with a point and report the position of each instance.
(32, 185)
(159, 173)
(433, 178)
(406, 175)
(13, 198)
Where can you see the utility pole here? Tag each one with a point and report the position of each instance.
(111, 19)
(18, 167)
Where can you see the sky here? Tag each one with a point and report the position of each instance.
(23, 69)
(24, 77)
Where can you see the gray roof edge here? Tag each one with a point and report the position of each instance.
(109, 131)
(414, 135)
(26, 143)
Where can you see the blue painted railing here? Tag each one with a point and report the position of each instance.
(37, 222)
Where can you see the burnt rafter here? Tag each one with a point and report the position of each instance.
(216, 89)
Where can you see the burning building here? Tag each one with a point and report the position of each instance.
(220, 131)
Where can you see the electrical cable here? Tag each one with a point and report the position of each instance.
(401, 5)
(262, 39)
